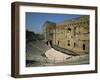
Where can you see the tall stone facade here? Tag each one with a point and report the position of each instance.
(71, 34)
(48, 30)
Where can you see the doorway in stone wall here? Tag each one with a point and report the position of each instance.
(83, 46)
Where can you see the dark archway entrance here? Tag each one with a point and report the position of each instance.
(49, 43)
(83, 46)
(58, 42)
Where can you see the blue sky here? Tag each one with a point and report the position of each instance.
(34, 21)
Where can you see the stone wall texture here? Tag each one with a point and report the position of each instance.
(70, 34)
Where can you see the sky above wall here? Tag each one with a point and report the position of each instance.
(35, 21)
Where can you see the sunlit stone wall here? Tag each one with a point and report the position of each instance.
(70, 34)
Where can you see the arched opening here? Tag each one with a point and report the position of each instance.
(58, 42)
(69, 29)
(83, 46)
(68, 43)
(74, 44)
(50, 43)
